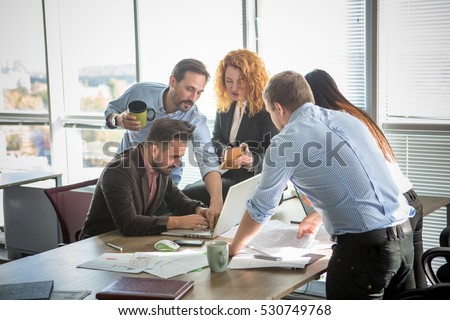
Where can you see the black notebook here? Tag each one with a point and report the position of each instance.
(130, 288)
(39, 290)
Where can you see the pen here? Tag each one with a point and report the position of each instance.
(259, 250)
(266, 257)
(114, 246)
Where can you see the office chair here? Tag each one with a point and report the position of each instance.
(443, 273)
(71, 206)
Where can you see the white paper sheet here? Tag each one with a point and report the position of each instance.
(162, 264)
(169, 264)
(247, 261)
(117, 262)
(279, 238)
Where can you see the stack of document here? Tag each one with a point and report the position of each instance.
(248, 261)
(277, 245)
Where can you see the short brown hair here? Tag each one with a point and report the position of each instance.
(288, 88)
(165, 130)
(193, 65)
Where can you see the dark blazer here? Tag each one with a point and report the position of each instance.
(256, 131)
(121, 197)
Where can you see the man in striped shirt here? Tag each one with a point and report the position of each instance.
(332, 158)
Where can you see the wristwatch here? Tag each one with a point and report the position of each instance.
(114, 122)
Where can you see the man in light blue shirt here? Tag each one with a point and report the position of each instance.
(332, 158)
(175, 101)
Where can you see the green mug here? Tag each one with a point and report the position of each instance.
(138, 109)
(217, 254)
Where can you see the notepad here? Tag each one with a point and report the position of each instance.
(38, 290)
(131, 288)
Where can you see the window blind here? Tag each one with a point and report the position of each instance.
(292, 38)
(425, 158)
(414, 59)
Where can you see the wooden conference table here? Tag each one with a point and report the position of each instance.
(431, 204)
(60, 264)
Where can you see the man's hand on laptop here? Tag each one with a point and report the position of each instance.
(212, 217)
(190, 221)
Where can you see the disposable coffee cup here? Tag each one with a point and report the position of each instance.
(217, 254)
(230, 154)
(138, 109)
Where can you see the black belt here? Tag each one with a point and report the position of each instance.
(378, 235)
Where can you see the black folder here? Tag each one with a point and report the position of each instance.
(38, 290)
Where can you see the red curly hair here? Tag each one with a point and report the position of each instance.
(254, 78)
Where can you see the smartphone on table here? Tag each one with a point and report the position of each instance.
(190, 242)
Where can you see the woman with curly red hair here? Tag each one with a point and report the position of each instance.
(241, 119)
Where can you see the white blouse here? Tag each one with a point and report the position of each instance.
(237, 118)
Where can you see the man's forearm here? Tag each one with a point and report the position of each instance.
(213, 183)
(248, 229)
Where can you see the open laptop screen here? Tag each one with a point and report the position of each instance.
(232, 212)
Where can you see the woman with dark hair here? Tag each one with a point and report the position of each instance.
(327, 95)
(241, 119)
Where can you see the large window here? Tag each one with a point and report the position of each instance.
(97, 52)
(320, 34)
(23, 76)
(24, 101)
(414, 60)
(166, 36)
(92, 60)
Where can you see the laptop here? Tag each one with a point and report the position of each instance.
(233, 210)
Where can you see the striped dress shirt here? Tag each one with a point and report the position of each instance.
(332, 158)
